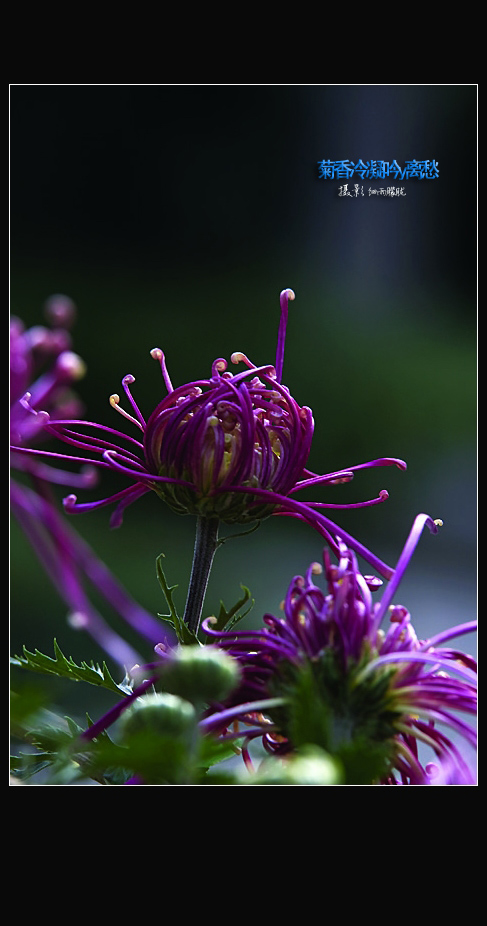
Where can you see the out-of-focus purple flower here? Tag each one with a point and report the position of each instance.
(384, 684)
(232, 447)
(43, 369)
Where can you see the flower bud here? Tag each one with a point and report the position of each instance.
(311, 767)
(201, 674)
(159, 713)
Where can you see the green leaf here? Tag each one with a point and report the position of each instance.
(167, 589)
(29, 764)
(212, 750)
(182, 631)
(67, 668)
(64, 757)
(24, 705)
(227, 619)
(53, 738)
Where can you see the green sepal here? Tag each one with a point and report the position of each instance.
(364, 761)
(67, 668)
(309, 717)
(182, 631)
(352, 723)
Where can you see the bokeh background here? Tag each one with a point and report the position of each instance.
(173, 216)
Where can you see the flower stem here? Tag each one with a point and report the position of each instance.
(205, 545)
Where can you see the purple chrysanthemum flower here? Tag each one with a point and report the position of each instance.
(383, 687)
(230, 448)
(43, 369)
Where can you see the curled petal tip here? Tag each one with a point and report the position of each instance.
(43, 416)
(425, 520)
(69, 502)
(25, 400)
(420, 522)
(157, 354)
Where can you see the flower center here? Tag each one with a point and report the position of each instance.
(231, 435)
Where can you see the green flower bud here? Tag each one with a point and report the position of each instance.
(312, 766)
(201, 674)
(159, 713)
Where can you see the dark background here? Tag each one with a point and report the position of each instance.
(173, 216)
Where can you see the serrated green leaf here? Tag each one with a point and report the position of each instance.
(63, 756)
(212, 751)
(227, 619)
(167, 589)
(67, 668)
(28, 764)
(182, 631)
(73, 727)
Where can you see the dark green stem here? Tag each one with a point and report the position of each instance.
(205, 544)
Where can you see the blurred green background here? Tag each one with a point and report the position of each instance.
(173, 216)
